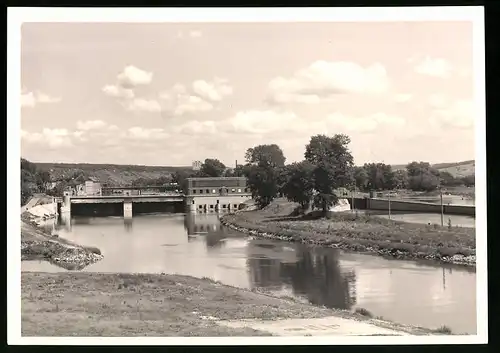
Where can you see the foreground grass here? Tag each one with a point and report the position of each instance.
(361, 233)
(91, 304)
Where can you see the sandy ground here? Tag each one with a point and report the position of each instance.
(90, 304)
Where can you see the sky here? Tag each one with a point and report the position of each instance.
(173, 93)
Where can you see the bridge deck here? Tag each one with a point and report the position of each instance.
(132, 198)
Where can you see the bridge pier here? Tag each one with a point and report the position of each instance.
(127, 209)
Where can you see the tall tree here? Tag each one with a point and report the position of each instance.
(299, 185)
(263, 172)
(422, 177)
(333, 163)
(360, 178)
(263, 183)
(266, 155)
(400, 177)
(212, 168)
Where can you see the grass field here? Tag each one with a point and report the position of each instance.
(91, 304)
(360, 233)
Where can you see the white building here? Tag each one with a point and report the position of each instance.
(197, 165)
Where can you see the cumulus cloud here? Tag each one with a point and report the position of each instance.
(179, 101)
(195, 127)
(118, 91)
(30, 99)
(262, 121)
(132, 76)
(191, 104)
(144, 134)
(434, 67)
(213, 91)
(342, 123)
(90, 125)
(144, 105)
(53, 138)
(323, 79)
(458, 114)
(403, 97)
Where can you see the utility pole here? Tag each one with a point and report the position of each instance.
(389, 205)
(352, 198)
(442, 207)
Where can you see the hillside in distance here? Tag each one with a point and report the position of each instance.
(114, 174)
(457, 169)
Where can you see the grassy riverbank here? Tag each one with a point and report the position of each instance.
(91, 304)
(359, 233)
(37, 244)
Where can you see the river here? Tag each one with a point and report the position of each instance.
(407, 292)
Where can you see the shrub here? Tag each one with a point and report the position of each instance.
(363, 312)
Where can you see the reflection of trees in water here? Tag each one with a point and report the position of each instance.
(264, 272)
(316, 275)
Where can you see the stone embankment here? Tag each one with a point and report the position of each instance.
(457, 259)
(39, 243)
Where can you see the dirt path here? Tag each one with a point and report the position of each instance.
(90, 304)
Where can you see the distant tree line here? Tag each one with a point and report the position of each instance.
(417, 176)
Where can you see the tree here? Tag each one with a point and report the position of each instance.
(266, 155)
(180, 177)
(43, 180)
(447, 179)
(469, 180)
(400, 177)
(333, 163)
(263, 183)
(299, 185)
(422, 177)
(360, 178)
(212, 168)
(264, 172)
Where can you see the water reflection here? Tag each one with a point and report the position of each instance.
(313, 273)
(127, 222)
(206, 226)
(196, 245)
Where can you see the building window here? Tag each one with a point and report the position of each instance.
(235, 206)
(211, 206)
(208, 191)
(201, 191)
(217, 202)
(194, 191)
(192, 202)
(233, 190)
(213, 191)
(224, 206)
(246, 189)
(239, 190)
(200, 207)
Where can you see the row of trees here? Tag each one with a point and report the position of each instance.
(33, 180)
(417, 176)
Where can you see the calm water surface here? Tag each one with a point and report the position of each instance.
(402, 291)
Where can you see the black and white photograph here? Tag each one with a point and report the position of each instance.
(280, 176)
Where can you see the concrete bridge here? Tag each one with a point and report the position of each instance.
(204, 195)
(127, 202)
